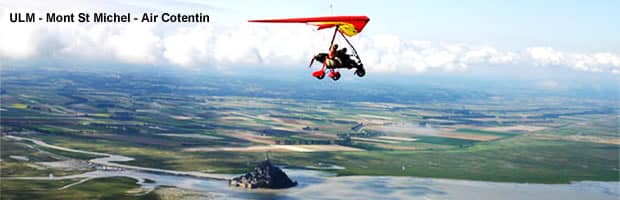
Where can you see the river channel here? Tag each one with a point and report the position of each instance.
(322, 185)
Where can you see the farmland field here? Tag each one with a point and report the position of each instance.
(196, 126)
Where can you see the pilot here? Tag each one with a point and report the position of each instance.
(332, 60)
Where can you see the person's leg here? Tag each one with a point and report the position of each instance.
(330, 63)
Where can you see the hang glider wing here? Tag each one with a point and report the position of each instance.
(348, 25)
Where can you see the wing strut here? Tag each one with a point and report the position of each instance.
(330, 46)
(334, 37)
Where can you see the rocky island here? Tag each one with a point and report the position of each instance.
(264, 175)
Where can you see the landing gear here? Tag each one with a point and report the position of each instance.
(319, 74)
(360, 72)
(334, 75)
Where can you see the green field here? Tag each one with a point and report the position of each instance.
(482, 132)
(11, 167)
(445, 141)
(156, 120)
(113, 188)
(519, 159)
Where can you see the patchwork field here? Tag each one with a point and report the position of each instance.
(223, 128)
(276, 148)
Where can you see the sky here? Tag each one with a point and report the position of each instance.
(579, 38)
(588, 25)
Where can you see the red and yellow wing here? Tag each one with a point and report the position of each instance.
(348, 25)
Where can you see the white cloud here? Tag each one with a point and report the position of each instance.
(595, 62)
(124, 43)
(188, 47)
(216, 45)
(134, 44)
(391, 53)
(18, 41)
(244, 44)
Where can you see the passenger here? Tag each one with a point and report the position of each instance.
(332, 60)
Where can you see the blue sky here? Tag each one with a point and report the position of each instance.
(564, 24)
